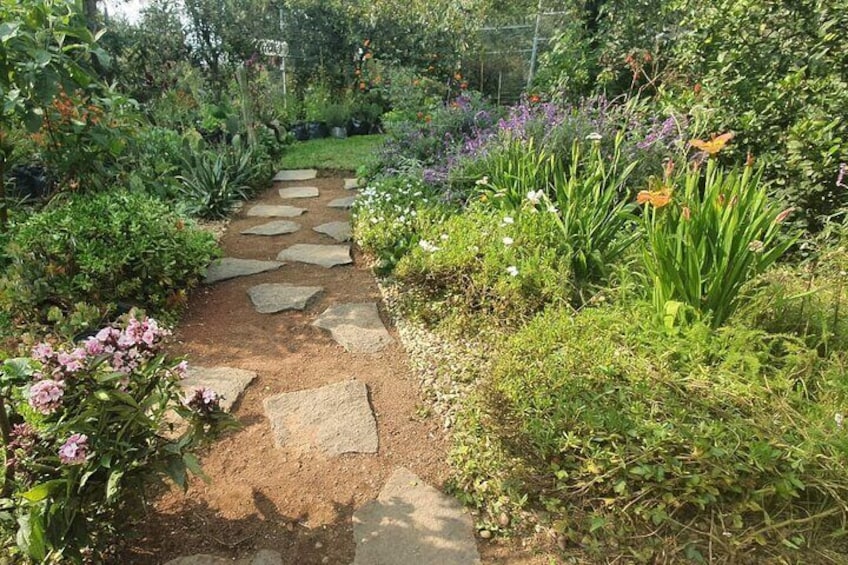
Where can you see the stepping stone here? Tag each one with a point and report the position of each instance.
(356, 327)
(277, 227)
(334, 419)
(266, 211)
(340, 231)
(230, 268)
(412, 522)
(324, 255)
(351, 184)
(270, 298)
(345, 202)
(299, 192)
(229, 383)
(295, 175)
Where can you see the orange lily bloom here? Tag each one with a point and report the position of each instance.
(714, 145)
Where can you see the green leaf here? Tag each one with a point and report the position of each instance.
(38, 492)
(8, 30)
(30, 536)
(113, 485)
(193, 465)
(597, 523)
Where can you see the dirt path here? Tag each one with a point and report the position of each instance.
(262, 496)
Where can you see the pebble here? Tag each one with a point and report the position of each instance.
(318, 545)
(485, 534)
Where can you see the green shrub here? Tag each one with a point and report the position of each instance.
(83, 435)
(710, 444)
(704, 243)
(104, 249)
(389, 216)
(483, 263)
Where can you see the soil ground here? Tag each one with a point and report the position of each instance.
(264, 497)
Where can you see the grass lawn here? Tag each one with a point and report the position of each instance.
(329, 153)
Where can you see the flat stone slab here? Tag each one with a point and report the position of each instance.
(229, 383)
(357, 327)
(412, 522)
(231, 267)
(268, 211)
(324, 255)
(277, 227)
(270, 298)
(295, 175)
(340, 231)
(351, 184)
(345, 202)
(333, 419)
(299, 192)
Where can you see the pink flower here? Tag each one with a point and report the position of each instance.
(72, 362)
(46, 395)
(43, 352)
(181, 369)
(75, 450)
(203, 400)
(93, 346)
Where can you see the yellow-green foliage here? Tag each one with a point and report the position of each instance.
(705, 442)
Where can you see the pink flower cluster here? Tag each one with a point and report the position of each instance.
(203, 400)
(139, 341)
(46, 395)
(75, 450)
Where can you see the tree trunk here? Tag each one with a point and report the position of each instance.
(91, 14)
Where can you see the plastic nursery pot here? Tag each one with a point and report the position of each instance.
(29, 181)
(318, 130)
(338, 132)
(300, 131)
(359, 127)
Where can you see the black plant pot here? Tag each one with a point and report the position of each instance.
(300, 131)
(318, 130)
(359, 127)
(29, 181)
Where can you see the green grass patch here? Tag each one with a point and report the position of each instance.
(340, 154)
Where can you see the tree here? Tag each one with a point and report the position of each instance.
(44, 48)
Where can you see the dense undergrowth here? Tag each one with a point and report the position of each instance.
(670, 349)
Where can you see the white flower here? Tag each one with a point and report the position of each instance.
(444, 237)
(512, 270)
(552, 209)
(508, 220)
(507, 241)
(427, 246)
(535, 197)
(840, 420)
(484, 180)
(594, 136)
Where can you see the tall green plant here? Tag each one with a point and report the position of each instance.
(587, 198)
(708, 237)
(592, 211)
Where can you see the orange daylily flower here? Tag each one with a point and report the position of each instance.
(714, 145)
(656, 198)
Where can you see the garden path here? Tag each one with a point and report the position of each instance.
(326, 467)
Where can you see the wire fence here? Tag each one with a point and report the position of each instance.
(503, 65)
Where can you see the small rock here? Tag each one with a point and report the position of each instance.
(485, 534)
(503, 519)
(318, 545)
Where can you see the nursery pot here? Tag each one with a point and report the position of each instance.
(359, 127)
(300, 131)
(338, 132)
(317, 130)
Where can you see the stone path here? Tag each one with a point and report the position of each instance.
(351, 406)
